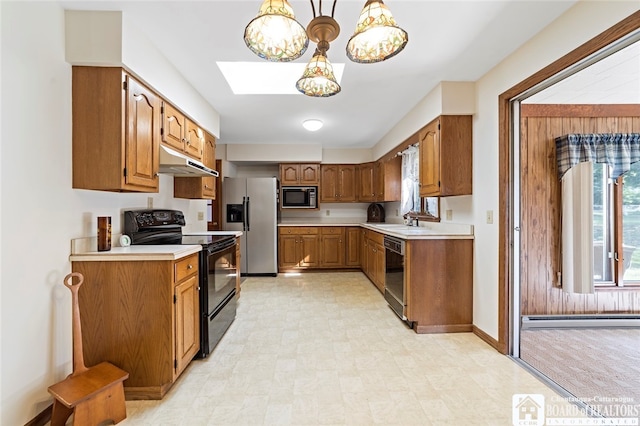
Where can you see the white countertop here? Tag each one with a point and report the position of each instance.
(234, 233)
(137, 253)
(84, 249)
(426, 230)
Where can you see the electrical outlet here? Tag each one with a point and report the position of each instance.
(449, 214)
(489, 216)
(328, 212)
(200, 215)
(397, 212)
(149, 202)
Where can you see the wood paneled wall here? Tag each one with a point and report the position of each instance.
(540, 207)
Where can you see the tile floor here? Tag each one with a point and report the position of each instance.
(324, 348)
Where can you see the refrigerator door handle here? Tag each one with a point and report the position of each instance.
(248, 224)
(244, 213)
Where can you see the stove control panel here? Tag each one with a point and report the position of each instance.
(136, 220)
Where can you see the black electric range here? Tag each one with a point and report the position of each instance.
(217, 267)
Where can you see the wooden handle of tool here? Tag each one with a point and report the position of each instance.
(78, 357)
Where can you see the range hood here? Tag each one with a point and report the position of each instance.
(175, 163)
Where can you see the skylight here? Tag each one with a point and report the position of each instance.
(267, 78)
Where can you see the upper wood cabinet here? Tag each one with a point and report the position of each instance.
(446, 156)
(300, 174)
(337, 183)
(388, 180)
(116, 131)
(181, 133)
(200, 187)
(366, 182)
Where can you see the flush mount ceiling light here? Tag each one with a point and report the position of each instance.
(312, 124)
(275, 35)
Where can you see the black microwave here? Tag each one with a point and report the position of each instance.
(299, 197)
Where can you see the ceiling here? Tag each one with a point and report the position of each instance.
(448, 41)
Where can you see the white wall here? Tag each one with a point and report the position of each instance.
(579, 24)
(41, 213)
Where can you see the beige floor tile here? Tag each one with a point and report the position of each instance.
(324, 348)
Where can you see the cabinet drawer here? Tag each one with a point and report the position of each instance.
(376, 237)
(298, 230)
(186, 267)
(332, 230)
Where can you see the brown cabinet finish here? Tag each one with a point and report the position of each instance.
(181, 133)
(332, 247)
(173, 127)
(373, 257)
(352, 250)
(298, 247)
(199, 187)
(116, 131)
(300, 174)
(439, 276)
(194, 139)
(366, 183)
(142, 316)
(338, 183)
(446, 156)
(388, 180)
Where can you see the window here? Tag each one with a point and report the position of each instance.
(616, 227)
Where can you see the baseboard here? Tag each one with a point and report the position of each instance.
(498, 346)
(42, 418)
(580, 321)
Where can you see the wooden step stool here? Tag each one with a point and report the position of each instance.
(93, 396)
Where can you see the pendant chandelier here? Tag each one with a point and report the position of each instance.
(275, 35)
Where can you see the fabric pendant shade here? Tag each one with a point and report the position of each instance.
(274, 34)
(317, 79)
(377, 36)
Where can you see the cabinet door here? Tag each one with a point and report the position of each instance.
(289, 174)
(143, 136)
(347, 183)
(309, 251)
(309, 174)
(288, 253)
(187, 303)
(209, 151)
(329, 183)
(366, 191)
(379, 268)
(332, 248)
(430, 160)
(173, 132)
(194, 139)
(352, 250)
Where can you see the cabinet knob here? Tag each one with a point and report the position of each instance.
(206, 187)
(189, 266)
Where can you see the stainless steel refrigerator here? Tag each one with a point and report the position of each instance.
(251, 205)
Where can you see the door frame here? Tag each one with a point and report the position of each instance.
(506, 261)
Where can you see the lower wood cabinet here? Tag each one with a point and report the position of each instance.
(373, 257)
(439, 280)
(298, 247)
(304, 247)
(143, 317)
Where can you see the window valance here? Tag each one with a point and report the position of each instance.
(618, 150)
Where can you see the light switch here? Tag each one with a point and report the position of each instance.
(200, 215)
(489, 216)
(449, 214)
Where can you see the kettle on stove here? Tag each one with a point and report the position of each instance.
(375, 213)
